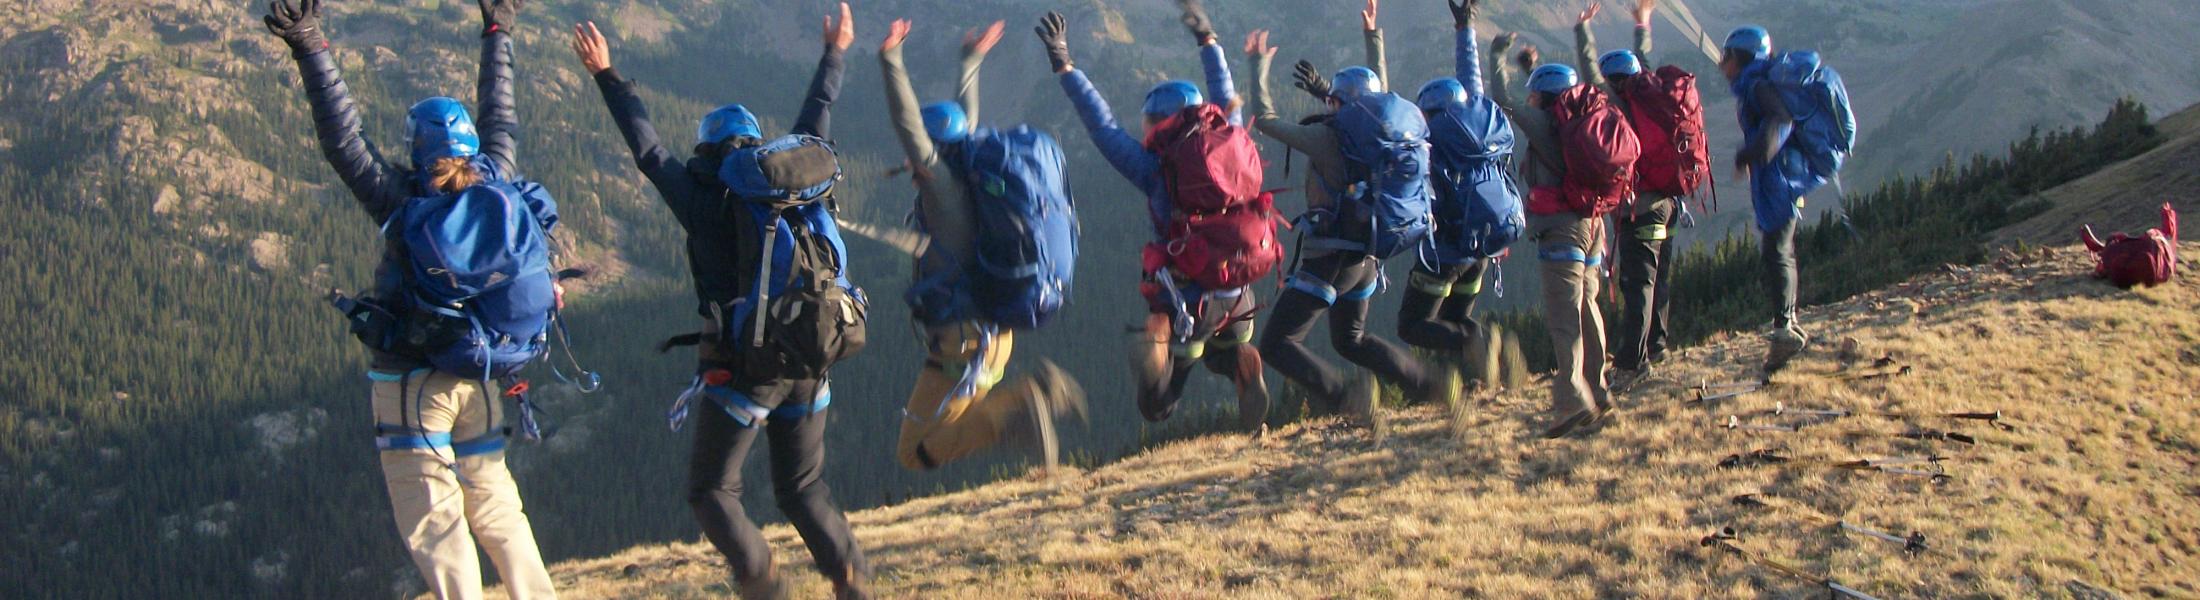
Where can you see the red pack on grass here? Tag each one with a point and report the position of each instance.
(2149, 259)
(1222, 231)
(1667, 115)
(1601, 151)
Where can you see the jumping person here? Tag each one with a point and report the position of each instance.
(1581, 156)
(1340, 269)
(1797, 130)
(743, 387)
(446, 494)
(1213, 225)
(955, 410)
(1643, 236)
(1477, 208)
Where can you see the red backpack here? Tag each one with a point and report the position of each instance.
(2127, 260)
(1600, 148)
(1667, 116)
(1222, 231)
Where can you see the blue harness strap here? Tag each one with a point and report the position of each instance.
(1362, 294)
(1312, 285)
(398, 438)
(1564, 253)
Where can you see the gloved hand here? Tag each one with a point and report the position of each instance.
(1311, 80)
(498, 15)
(1462, 13)
(1195, 20)
(1053, 32)
(300, 27)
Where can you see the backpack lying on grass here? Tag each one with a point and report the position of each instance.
(2148, 259)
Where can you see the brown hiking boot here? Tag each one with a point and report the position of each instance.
(1252, 390)
(1482, 356)
(1362, 401)
(1786, 344)
(1054, 396)
(850, 586)
(765, 587)
(1568, 424)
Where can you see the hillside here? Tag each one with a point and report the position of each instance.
(2092, 490)
(2123, 197)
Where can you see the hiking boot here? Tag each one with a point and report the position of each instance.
(1252, 390)
(1570, 423)
(1149, 370)
(765, 587)
(1623, 380)
(1053, 396)
(1443, 389)
(1362, 400)
(1786, 344)
(850, 586)
(1482, 354)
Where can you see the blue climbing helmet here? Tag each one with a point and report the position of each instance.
(1352, 82)
(1619, 62)
(1440, 92)
(1553, 79)
(438, 128)
(1751, 39)
(945, 121)
(1172, 97)
(727, 122)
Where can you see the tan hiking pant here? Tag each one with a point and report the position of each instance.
(936, 430)
(1570, 250)
(448, 493)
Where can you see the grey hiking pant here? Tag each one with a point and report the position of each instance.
(1781, 277)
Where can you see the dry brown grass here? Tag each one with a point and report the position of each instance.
(2097, 487)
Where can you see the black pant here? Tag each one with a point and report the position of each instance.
(1438, 311)
(798, 466)
(1781, 279)
(1222, 328)
(1284, 345)
(1645, 248)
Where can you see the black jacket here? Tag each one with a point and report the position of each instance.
(691, 188)
(380, 187)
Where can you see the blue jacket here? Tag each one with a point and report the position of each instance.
(690, 187)
(1128, 154)
(1766, 125)
(1466, 58)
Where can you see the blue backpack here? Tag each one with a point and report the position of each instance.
(801, 314)
(1026, 233)
(480, 260)
(1478, 210)
(1385, 140)
(1825, 127)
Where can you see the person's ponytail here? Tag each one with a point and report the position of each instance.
(452, 174)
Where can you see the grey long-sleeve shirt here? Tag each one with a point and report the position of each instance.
(942, 201)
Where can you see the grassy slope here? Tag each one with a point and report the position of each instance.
(2124, 197)
(2097, 486)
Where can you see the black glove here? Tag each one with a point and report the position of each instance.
(1311, 80)
(1462, 13)
(1053, 32)
(1195, 20)
(300, 27)
(497, 15)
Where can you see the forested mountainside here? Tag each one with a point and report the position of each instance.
(177, 403)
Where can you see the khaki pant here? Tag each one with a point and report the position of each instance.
(445, 502)
(936, 430)
(1565, 247)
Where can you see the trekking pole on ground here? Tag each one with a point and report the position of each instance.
(1889, 466)
(1990, 417)
(1707, 391)
(1912, 544)
(1734, 423)
(1726, 539)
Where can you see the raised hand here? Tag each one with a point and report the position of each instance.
(1256, 45)
(1367, 15)
(1195, 21)
(1591, 11)
(1642, 11)
(299, 26)
(896, 33)
(976, 42)
(589, 45)
(1053, 33)
(1529, 57)
(497, 15)
(1308, 78)
(1462, 12)
(840, 34)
